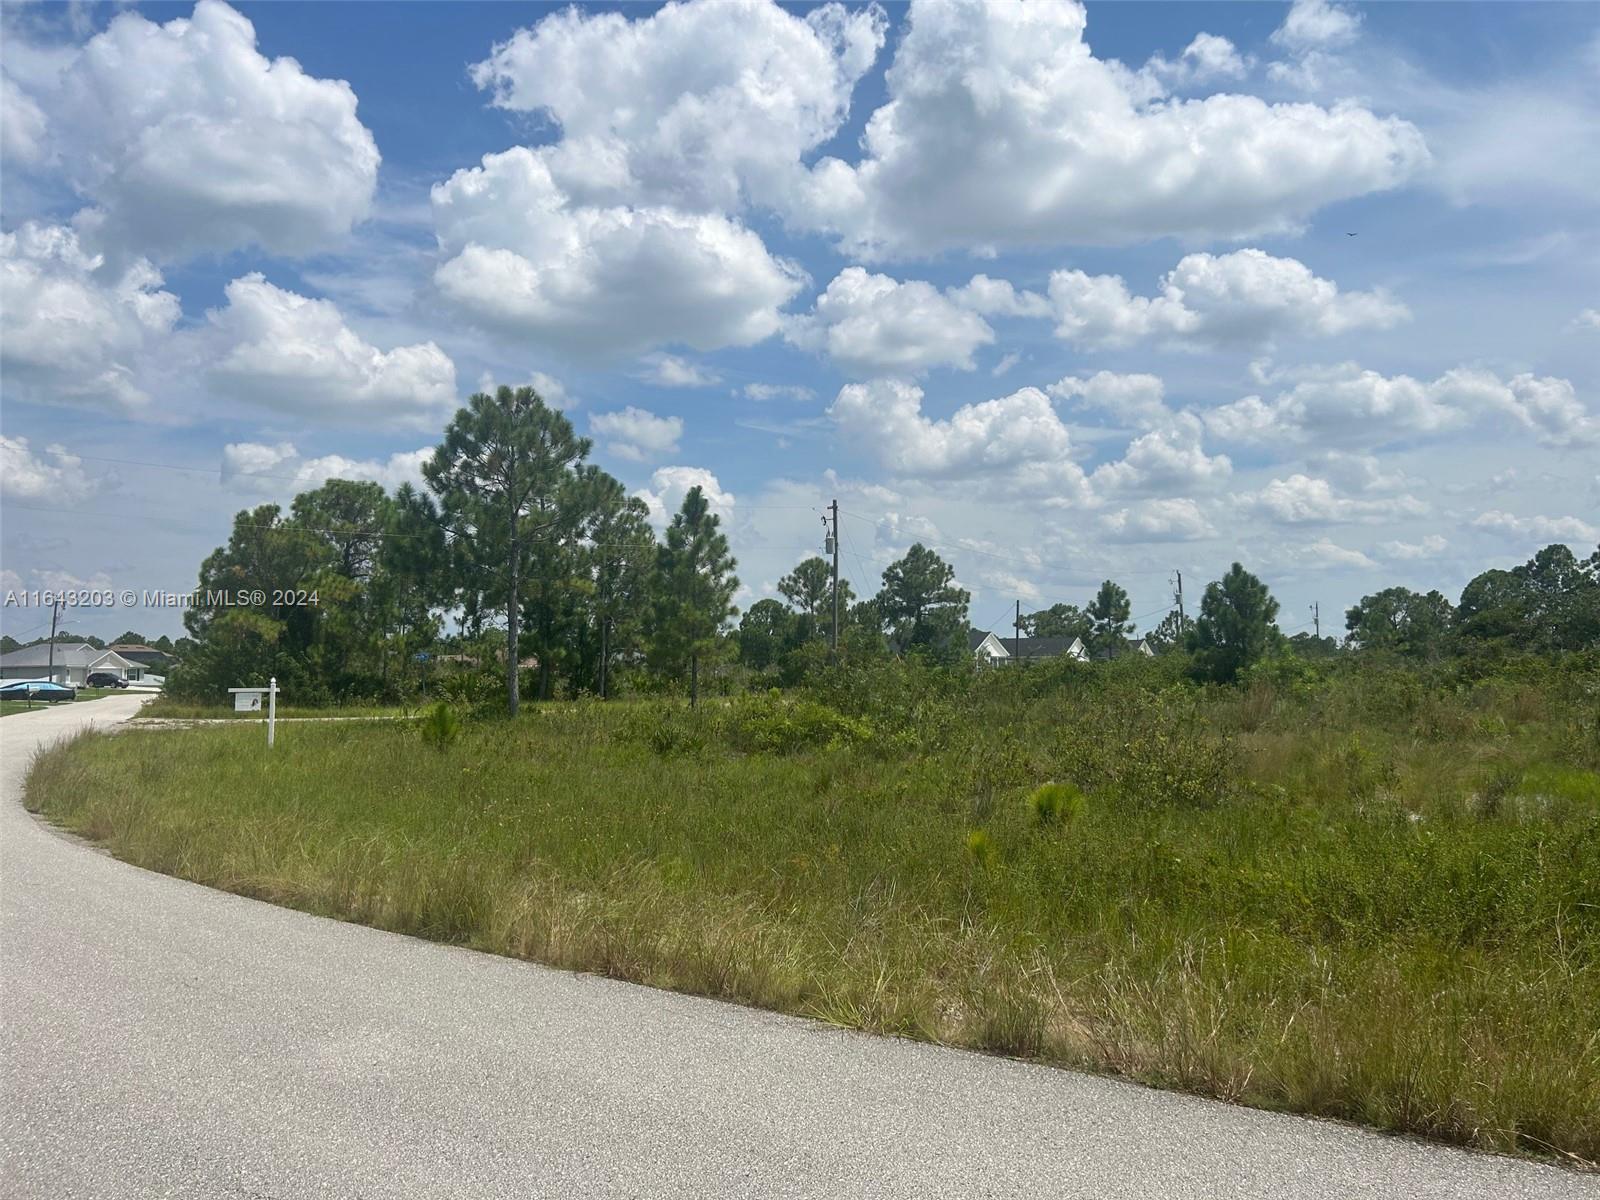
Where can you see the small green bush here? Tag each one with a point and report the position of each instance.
(669, 729)
(475, 691)
(980, 848)
(771, 725)
(441, 726)
(1056, 803)
(1146, 751)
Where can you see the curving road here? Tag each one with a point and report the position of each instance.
(162, 1039)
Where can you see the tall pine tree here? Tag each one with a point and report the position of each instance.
(694, 590)
(503, 475)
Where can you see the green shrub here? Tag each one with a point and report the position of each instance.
(1147, 751)
(980, 848)
(441, 726)
(772, 725)
(670, 730)
(1056, 803)
(474, 691)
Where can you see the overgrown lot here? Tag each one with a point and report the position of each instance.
(1367, 894)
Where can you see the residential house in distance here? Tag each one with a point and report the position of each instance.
(1126, 646)
(71, 663)
(152, 660)
(990, 650)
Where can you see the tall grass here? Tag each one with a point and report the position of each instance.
(1380, 907)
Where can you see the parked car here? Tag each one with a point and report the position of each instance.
(38, 689)
(105, 679)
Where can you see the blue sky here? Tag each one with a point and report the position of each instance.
(1068, 294)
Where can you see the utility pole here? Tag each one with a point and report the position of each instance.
(833, 548)
(1316, 618)
(1016, 628)
(1182, 620)
(55, 612)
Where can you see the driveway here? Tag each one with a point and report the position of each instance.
(162, 1039)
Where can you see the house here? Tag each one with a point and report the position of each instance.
(146, 656)
(988, 649)
(71, 663)
(1124, 647)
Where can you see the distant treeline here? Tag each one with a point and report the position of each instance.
(523, 542)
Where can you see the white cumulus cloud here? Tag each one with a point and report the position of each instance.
(1346, 405)
(668, 370)
(1207, 59)
(873, 325)
(190, 140)
(22, 124)
(1002, 128)
(76, 330)
(1244, 297)
(669, 485)
(292, 354)
(279, 470)
(54, 476)
(1174, 519)
(636, 434)
(1170, 457)
(525, 260)
(1316, 24)
(698, 105)
(1132, 399)
(1537, 528)
(1303, 500)
(1017, 440)
(1431, 546)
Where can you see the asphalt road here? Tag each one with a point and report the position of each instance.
(162, 1039)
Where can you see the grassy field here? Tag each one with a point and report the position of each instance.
(1368, 897)
(12, 707)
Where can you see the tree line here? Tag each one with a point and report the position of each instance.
(550, 572)
(515, 529)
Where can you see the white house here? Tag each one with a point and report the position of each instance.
(73, 663)
(990, 650)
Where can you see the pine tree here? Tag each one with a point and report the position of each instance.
(1235, 625)
(694, 590)
(1108, 612)
(920, 602)
(621, 550)
(502, 473)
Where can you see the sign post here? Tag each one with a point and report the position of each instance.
(248, 700)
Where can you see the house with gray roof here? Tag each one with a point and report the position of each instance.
(989, 649)
(71, 663)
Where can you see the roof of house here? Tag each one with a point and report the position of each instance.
(68, 654)
(1028, 647)
(134, 648)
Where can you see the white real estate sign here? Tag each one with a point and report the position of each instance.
(249, 700)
